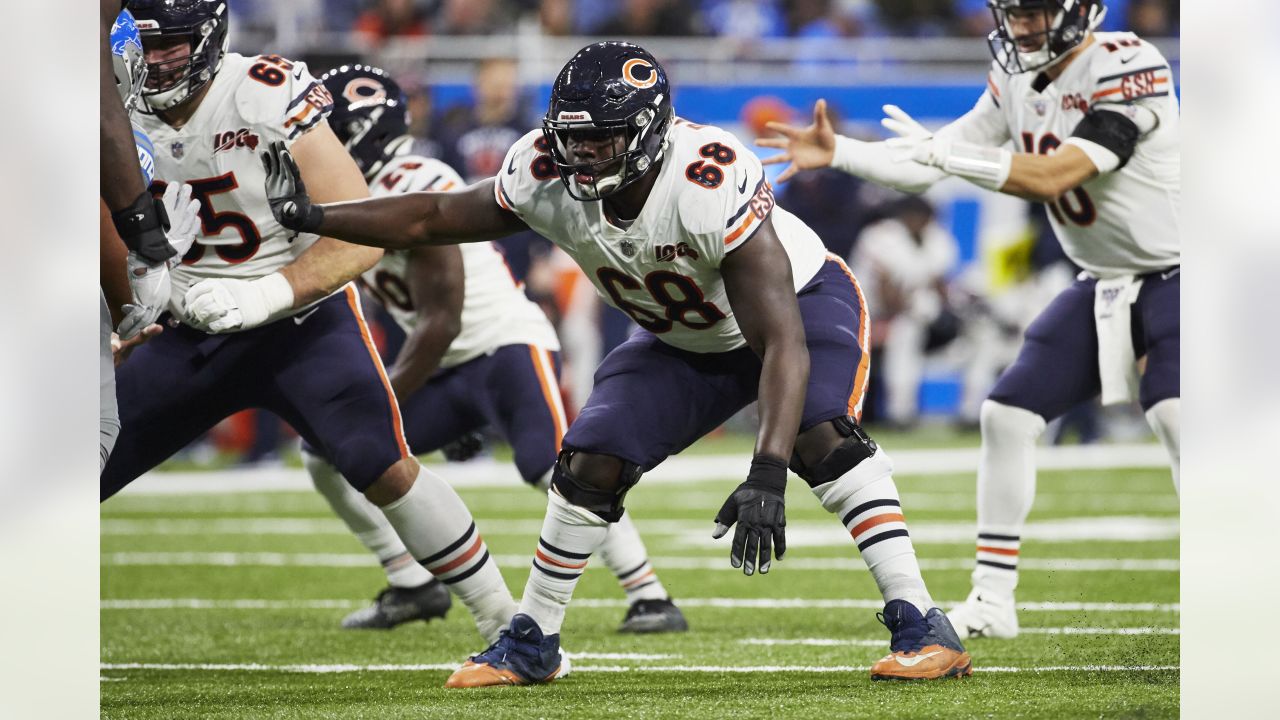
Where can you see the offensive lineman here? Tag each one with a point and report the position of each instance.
(477, 353)
(1096, 119)
(269, 317)
(676, 226)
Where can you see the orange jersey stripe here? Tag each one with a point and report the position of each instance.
(751, 217)
(1118, 88)
(353, 301)
(461, 559)
(557, 563)
(550, 389)
(869, 523)
(446, 187)
(992, 84)
(996, 550)
(497, 195)
(860, 375)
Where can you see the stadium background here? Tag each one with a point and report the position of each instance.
(478, 75)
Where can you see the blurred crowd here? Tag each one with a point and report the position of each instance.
(376, 20)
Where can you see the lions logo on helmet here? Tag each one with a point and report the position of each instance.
(203, 24)
(1066, 22)
(370, 114)
(607, 89)
(127, 59)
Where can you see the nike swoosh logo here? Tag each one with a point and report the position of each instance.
(913, 661)
(511, 166)
(301, 318)
(1125, 61)
(1170, 273)
(743, 188)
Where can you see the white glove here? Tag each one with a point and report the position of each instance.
(226, 304)
(184, 219)
(986, 167)
(150, 286)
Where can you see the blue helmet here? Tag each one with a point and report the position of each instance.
(1067, 23)
(127, 60)
(203, 24)
(370, 114)
(609, 88)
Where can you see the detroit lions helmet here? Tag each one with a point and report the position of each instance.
(606, 89)
(370, 114)
(202, 23)
(126, 59)
(1067, 23)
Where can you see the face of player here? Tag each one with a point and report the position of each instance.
(166, 61)
(1028, 27)
(586, 147)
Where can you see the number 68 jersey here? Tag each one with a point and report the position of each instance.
(251, 102)
(709, 199)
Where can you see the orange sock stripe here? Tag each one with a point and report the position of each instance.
(353, 301)
(545, 370)
(871, 522)
(997, 551)
(552, 561)
(861, 374)
(639, 580)
(461, 559)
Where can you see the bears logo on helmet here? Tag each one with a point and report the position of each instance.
(370, 114)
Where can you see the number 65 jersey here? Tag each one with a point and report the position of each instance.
(709, 199)
(251, 102)
(1121, 222)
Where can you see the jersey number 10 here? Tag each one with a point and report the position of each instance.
(1075, 206)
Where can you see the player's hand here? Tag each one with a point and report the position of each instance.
(150, 286)
(806, 148)
(121, 349)
(184, 219)
(914, 142)
(286, 192)
(226, 304)
(464, 448)
(757, 506)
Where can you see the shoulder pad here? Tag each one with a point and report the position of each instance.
(527, 173)
(1126, 68)
(281, 96)
(722, 192)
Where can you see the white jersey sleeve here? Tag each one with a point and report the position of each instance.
(985, 124)
(528, 184)
(282, 98)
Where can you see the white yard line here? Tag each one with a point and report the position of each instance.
(491, 473)
(724, 603)
(843, 642)
(362, 560)
(258, 667)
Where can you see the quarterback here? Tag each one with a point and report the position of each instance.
(477, 353)
(1095, 123)
(265, 317)
(737, 300)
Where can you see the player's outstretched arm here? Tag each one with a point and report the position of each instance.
(818, 146)
(395, 222)
(757, 279)
(437, 288)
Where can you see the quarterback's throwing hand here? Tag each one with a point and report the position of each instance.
(806, 148)
(286, 193)
(757, 507)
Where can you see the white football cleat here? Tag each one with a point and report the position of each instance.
(985, 614)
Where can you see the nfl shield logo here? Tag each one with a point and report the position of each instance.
(1040, 106)
(628, 248)
(176, 149)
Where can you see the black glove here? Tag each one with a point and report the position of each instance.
(142, 226)
(464, 448)
(757, 507)
(285, 192)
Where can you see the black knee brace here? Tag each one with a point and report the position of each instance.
(605, 503)
(857, 446)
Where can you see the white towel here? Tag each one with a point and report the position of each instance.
(1117, 365)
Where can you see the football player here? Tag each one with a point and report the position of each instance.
(1095, 122)
(737, 300)
(269, 318)
(477, 353)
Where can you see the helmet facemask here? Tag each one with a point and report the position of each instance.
(179, 79)
(1066, 24)
(643, 136)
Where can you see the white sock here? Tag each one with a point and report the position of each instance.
(366, 522)
(866, 501)
(438, 529)
(1006, 489)
(570, 535)
(624, 553)
(1165, 418)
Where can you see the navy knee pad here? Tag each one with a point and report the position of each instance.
(603, 502)
(857, 446)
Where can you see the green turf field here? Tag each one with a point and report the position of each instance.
(227, 606)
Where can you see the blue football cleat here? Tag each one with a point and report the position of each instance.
(921, 647)
(521, 656)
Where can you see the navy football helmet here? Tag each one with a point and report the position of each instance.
(203, 23)
(1067, 23)
(609, 89)
(370, 114)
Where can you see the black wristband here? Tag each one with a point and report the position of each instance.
(310, 223)
(142, 226)
(768, 471)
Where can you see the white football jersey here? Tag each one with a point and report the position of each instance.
(664, 271)
(495, 310)
(1120, 222)
(251, 102)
